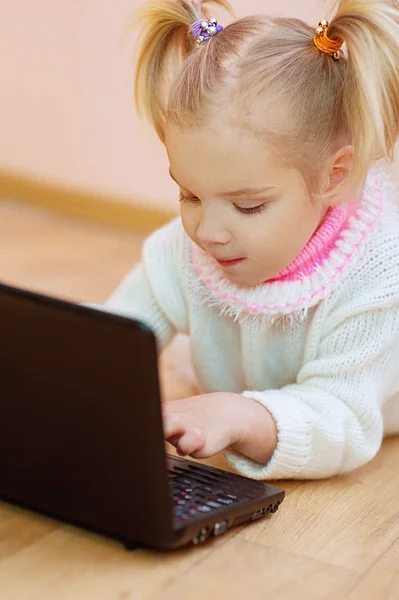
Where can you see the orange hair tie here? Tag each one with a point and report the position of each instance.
(326, 44)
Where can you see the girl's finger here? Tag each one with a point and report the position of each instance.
(172, 426)
(174, 440)
(190, 442)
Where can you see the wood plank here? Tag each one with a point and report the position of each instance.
(243, 569)
(341, 521)
(76, 565)
(63, 256)
(382, 580)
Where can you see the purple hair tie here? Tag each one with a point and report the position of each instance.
(203, 30)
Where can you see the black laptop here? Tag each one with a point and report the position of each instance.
(81, 434)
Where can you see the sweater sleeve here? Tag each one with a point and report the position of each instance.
(153, 291)
(134, 298)
(330, 421)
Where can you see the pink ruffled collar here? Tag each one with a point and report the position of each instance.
(319, 246)
(312, 276)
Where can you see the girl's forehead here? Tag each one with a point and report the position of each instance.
(206, 155)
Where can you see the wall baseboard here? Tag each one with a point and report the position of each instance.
(87, 205)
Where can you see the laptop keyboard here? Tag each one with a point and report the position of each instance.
(196, 491)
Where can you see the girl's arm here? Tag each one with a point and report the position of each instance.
(331, 421)
(134, 298)
(153, 291)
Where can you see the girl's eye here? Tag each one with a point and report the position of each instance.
(251, 211)
(188, 199)
(244, 211)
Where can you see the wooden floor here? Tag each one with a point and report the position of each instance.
(330, 539)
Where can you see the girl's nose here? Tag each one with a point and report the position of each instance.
(210, 232)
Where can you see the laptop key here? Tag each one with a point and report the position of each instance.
(201, 496)
(204, 508)
(213, 504)
(225, 501)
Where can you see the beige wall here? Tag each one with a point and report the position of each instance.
(66, 111)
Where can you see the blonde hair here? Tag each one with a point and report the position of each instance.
(258, 62)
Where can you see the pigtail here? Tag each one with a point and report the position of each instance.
(166, 44)
(370, 29)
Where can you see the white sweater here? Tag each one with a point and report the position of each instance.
(319, 347)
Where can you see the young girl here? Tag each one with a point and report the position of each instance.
(283, 269)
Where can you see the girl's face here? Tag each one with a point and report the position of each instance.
(238, 203)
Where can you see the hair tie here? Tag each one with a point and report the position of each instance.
(326, 44)
(202, 30)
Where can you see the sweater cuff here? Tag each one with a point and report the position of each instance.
(294, 439)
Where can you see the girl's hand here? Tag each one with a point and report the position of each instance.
(202, 426)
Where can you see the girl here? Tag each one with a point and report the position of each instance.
(283, 269)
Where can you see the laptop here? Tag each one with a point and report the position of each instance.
(81, 435)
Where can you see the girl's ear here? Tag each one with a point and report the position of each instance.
(339, 171)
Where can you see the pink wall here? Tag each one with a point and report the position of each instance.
(66, 110)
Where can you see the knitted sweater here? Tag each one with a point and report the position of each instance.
(318, 345)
